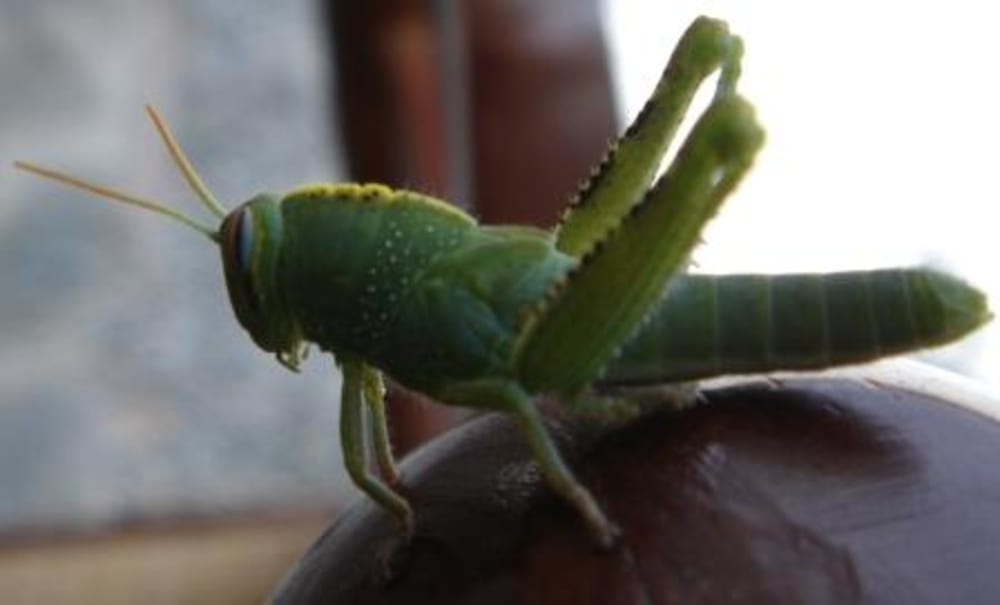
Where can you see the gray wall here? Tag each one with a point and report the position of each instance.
(126, 386)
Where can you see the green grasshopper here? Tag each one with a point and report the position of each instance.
(397, 283)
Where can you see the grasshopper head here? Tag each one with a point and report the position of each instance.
(250, 240)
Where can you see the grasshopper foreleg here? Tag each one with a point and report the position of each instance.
(352, 437)
(374, 393)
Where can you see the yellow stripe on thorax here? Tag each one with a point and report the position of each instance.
(351, 190)
(374, 192)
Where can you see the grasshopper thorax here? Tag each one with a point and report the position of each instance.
(250, 239)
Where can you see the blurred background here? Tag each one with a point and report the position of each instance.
(138, 423)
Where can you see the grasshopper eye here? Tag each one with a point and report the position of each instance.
(237, 234)
(242, 245)
(250, 243)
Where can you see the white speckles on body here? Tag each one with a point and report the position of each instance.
(407, 239)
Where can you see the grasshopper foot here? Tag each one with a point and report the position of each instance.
(605, 533)
(391, 554)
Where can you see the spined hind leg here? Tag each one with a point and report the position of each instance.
(588, 316)
(629, 254)
(632, 162)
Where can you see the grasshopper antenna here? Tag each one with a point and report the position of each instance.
(180, 160)
(120, 196)
(184, 165)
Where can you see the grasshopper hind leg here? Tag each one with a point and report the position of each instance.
(631, 163)
(621, 281)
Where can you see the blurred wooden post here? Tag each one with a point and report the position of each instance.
(538, 113)
(543, 109)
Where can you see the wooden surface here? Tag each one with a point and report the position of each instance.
(813, 490)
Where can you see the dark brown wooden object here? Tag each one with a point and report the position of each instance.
(812, 490)
(499, 106)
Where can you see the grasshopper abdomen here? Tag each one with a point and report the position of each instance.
(710, 325)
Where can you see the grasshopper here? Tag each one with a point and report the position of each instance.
(396, 283)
